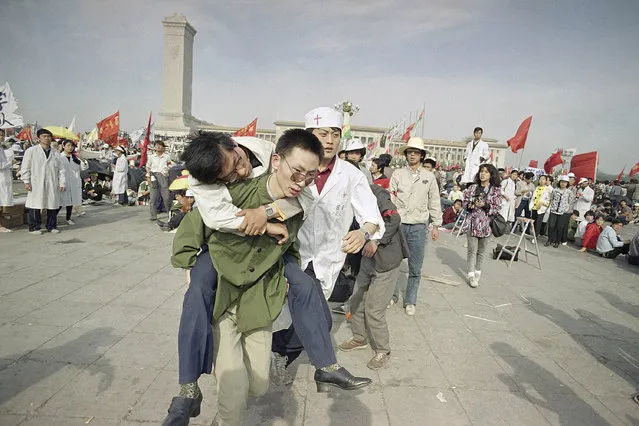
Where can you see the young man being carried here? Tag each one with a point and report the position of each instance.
(251, 288)
(213, 159)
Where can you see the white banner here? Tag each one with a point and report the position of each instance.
(8, 109)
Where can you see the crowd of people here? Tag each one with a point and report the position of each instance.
(265, 231)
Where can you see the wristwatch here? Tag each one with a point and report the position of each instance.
(270, 211)
(367, 236)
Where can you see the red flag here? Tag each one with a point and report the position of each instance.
(248, 130)
(518, 141)
(552, 161)
(634, 170)
(108, 129)
(25, 134)
(145, 143)
(620, 175)
(534, 164)
(585, 165)
(406, 135)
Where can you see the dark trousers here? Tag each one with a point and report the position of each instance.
(538, 221)
(312, 321)
(617, 251)
(159, 187)
(69, 211)
(34, 218)
(308, 307)
(123, 199)
(558, 228)
(523, 207)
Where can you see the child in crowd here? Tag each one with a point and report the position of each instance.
(581, 227)
(589, 240)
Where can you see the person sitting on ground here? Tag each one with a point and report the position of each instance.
(185, 201)
(92, 190)
(589, 240)
(144, 191)
(624, 212)
(451, 214)
(581, 227)
(572, 225)
(609, 244)
(633, 253)
(456, 194)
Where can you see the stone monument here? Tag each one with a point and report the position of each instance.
(175, 118)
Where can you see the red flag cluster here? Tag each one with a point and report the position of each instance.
(109, 128)
(518, 141)
(634, 170)
(534, 164)
(248, 130)
(620, 175)
(406, 135)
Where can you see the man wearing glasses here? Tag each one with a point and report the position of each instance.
(209, 157)
(158, 167)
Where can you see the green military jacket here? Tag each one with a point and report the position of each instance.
(250, 269)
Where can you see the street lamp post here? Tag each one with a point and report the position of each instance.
(348, 109)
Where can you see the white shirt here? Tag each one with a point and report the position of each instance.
(159, 164)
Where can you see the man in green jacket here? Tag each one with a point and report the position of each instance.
(251, 285)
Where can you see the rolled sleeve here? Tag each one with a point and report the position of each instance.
(365, 207)
(216, 206)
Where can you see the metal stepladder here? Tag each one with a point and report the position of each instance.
(459, 223)
(524, 224)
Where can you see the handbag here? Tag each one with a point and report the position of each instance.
(498, 225)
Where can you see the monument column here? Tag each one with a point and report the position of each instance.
(175, 118)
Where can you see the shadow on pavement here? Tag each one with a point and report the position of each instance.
(87, 345)
(528, 374)
(615, 301)
(453, 260)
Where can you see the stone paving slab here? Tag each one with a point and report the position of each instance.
(88, 335)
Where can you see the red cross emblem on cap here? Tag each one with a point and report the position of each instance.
(317, 119)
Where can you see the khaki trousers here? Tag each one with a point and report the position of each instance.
(242, 362)
(373, 291)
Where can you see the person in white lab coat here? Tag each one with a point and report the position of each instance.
(73, 194)
(476, 153)
(44, 179)
(584, 198)
(120, 176)
(340, 193)
(508, 186)
(6, 179)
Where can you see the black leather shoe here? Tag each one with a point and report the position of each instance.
(340, 378)
(547, 244)
(181, 409)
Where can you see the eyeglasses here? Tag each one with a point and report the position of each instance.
(299, 177)
(232, 176)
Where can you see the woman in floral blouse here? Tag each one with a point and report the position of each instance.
(561, 202)
(482, 200)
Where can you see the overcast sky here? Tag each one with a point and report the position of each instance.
(572, 64)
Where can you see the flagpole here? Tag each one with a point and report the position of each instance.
(521, 156)
(423, 118)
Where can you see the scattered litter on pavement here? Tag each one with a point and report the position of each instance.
(89, 421)
(485, 319)
(441, 398)
(440, 280)
(502, 305)
(625, 355)
(525, 300)
(484, 304)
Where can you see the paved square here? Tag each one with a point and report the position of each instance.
(88, 335)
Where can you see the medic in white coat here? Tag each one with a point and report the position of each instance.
(476, 154)
(120, 173)
(324, 236)
(73, 194)
(43, 176)
(584, 198)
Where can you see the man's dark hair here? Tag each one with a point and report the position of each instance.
(299, 138)
(460, 201)
(380, 163)
(43, 132)
(430, 161)
(575, 212)
(616, 221)
(589, 213)
(478, 129)
(529, 175)
(495, 180)
(501, 169)
(203, 156)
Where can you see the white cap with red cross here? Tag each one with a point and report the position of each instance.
(323, 117)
